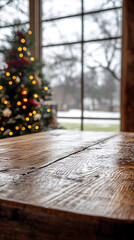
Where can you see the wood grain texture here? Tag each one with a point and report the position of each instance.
(87, 194)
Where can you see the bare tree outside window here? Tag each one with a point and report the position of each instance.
(100, 60)
(11, 12)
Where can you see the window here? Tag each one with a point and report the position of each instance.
(81, 48)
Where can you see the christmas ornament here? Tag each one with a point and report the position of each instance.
(7, 112)
(37, 116)
(17, 80)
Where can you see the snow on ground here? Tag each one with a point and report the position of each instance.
(95, 114)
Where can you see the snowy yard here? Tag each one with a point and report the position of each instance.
(92, 114)
(90, 124)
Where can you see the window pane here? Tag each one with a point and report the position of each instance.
(66, 30)
(7, 32)
(1, 61)
(103, 25)
(63, 70)
(101, 4)
(58, 8)
(70, 124)
(102, 125)
(14, 10)
(102, 78)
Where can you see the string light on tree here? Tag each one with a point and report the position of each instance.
(23, 40)
(31, 77)
(24, 107)
(22, 86)
(21, 55)
(36, 95)
(10, 133)
(24, 92)
(34, 112)
(10, 82)
(19, 49)
(5, 102)
(2, 129)
(25, 99)
(7, 74)
(29, 32)
(19, 103)
(45, 88)
(27, 119)
(32, 59)
(33, 82)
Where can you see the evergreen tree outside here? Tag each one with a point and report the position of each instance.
(23, 91)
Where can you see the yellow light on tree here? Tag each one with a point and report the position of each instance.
(24, 92)
(7, 74)
(32, 59)
(13, 77)
(5, 102)
(30, 114)
(23, 128)
(10, 82)
(48, 110)
(10, 133)
(19, 49)
(2, 129)
(24, 107)
(30, 77)
(34, 112)
(25, 99)
(33, 82)
(35, 95)
(29, 126)
(23, 40)
(17, 127)
(19, 103)
(27, 119)
(20, 74)
(36, 127)
(29, 32)
(24, 48)
(45, 88)
(1, 87)
(21, 55)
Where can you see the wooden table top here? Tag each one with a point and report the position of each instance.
(67, 185)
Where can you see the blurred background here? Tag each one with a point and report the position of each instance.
(81, 43)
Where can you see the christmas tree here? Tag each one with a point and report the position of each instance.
(23, 91)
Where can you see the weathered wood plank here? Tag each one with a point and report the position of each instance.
(92, 190)
(25, 153)
(25, 222)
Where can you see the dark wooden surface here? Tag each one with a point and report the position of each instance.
(67, 185)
